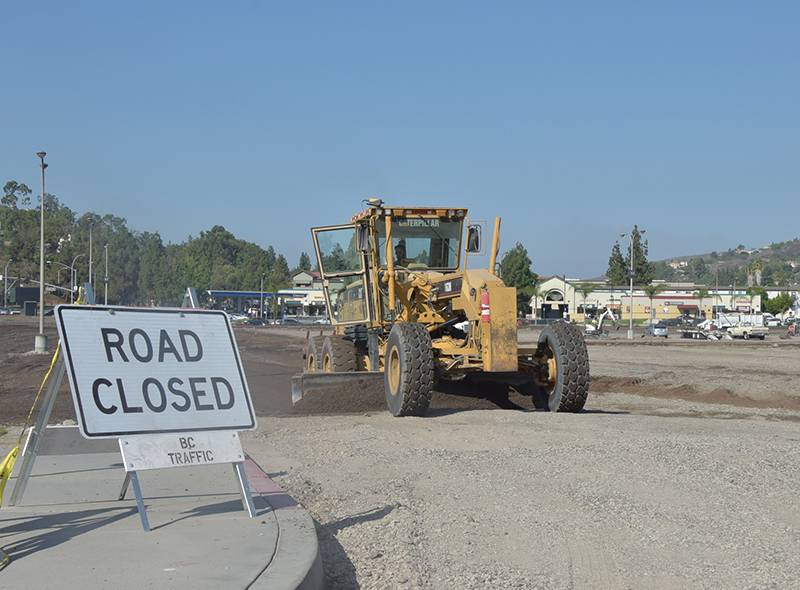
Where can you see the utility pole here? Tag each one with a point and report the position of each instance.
(105, 279)
(91, 226)
(262, 297)
(40, 341)
(630, 319)
(5, 285)
(74, 276)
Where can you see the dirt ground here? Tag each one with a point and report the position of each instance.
(683, 471)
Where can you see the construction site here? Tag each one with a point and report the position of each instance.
(388, 296)
(437, 441)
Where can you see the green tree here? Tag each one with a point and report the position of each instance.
(779, 304)
(697, 269)
(617, 271)
(701, 294)
(585, 289)
(304, 263)
(651, 291)
(642, 269)
(515, 270)
(15, 194)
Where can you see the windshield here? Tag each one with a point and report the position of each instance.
(422, 242)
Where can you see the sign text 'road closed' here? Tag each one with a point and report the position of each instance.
(141, 370)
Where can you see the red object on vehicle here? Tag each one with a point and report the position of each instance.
(486, 313)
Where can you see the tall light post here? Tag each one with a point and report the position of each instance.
(74, 277)
(5, 285)
(262, 297)
(105, 279)
(40, 341)
(91, 227)
(631, 273)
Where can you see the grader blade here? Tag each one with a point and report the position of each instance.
(333, 383)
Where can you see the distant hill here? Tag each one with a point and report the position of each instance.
(778, 264)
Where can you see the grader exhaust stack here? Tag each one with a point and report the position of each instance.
(408, 314)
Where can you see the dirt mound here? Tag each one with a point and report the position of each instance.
(684, 391)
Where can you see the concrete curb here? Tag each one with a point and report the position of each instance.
(296, 563)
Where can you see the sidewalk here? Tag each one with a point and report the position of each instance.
(71, 532)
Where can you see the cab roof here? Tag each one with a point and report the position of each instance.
(396, 211)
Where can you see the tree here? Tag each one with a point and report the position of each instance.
(651, 291)
(701, 294)
(515, 270)
(585, 289)
(779, 304)
(304, 263)
(15, 194)
(642, 269)
(617, 271)
(697, 269)
(537, 293)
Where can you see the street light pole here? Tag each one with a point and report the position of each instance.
(5, 285)
(262, 297)
(40, 341)
(91, 226)
(105, 280)
(74, 276)
(630, 319)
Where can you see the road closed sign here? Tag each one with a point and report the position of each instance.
(149, 370)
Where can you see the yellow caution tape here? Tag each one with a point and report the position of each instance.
(7, 466)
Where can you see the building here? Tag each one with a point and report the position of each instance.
(560, 297)
(305, 298)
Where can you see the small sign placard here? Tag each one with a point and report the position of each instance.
(187, 449)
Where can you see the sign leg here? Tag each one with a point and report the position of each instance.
(137, 491)
(244, 486)
(35, 437)
(125, 483)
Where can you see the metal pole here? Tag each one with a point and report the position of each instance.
(105, 280)
(630, 319)
(74, 276)
(90, 252)
(40, 342)
(262, 297)
(5, 286)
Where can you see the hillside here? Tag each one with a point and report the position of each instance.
(778, 263)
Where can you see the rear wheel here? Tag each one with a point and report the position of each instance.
(313, 353)
(338, 355)
(408, 370)
(564, 350)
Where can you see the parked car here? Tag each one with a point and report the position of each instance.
(5, 311)
(657, 330)
(772, 322)
(255, 322)
(672, 322)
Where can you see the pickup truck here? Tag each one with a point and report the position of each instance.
(747, 331)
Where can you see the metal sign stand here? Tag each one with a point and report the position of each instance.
(31, 450)
(36, 434)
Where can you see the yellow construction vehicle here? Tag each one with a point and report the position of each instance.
(407, 310)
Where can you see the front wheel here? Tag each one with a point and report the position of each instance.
(408, 370)
(564, 350)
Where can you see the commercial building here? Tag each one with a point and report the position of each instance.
(559, 297)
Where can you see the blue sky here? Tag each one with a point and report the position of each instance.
(572, 121)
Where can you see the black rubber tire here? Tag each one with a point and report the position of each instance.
(411, 343)
(338, 355)
(313, 354)
(572, 367)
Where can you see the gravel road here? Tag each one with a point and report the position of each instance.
(505, 499)
(683, 472)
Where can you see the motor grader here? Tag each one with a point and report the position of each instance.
(407, 310)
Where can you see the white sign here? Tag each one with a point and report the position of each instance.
(149, 370)
(187, 449)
